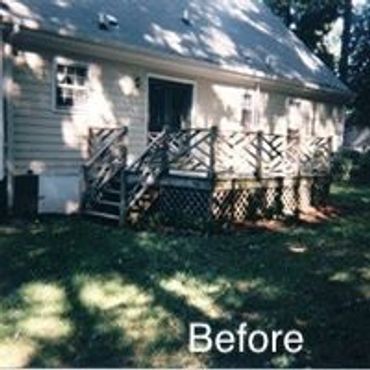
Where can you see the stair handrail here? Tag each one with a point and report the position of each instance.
(119, 132)
(136, 165)
(157, 145)
(93, 188)
(187, 150)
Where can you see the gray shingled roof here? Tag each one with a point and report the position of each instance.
(239, 35)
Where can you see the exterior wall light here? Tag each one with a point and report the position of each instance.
(138, 82)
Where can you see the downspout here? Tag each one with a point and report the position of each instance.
(8, 54)
(257, 109)
(2, 116)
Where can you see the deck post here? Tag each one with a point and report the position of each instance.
(259, 169)
(299, 157)
(330, 154)
(164, 151)
(2, 115)
(8, 64)
(212, 159)
(123, 198)
(89, 142)
(83, 188)
(123, 190)
(212, 177)
(285, 157)
(233, 218)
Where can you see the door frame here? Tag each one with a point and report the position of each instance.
(194, 102)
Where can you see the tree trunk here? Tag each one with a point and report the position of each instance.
(289, 13)
(346, 38)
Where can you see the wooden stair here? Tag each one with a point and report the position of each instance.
(121, 194)
(108, 203)
(126, 194)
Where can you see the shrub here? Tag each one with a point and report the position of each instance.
(362, 173)
(345, 163)
(352, 166)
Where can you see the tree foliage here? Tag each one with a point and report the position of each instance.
(346, 39)
(313, 20)
(359, 67)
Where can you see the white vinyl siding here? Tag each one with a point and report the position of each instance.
(53, 141)
(49, 141)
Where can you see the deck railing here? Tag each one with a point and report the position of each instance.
(246, 154)
(188, 150)
(208, 153)
(212, 152)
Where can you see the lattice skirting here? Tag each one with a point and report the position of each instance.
(320, 191)
(237, 203)
(183, 206)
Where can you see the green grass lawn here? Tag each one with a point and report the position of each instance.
(77, 293)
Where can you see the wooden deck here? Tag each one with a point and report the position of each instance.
(205, 176)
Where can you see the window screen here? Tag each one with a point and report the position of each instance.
(71, 85)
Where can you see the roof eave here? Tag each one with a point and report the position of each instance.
(69, 42)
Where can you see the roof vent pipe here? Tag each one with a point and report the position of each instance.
(5, 15)
(186, 18)
(107, 21)
(4, 6)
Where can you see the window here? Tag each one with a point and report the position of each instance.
(295, 103)
(295, 116)
(247, 111)
(71, 85)
(170, 104)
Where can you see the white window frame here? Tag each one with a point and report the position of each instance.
(171, 78)
(252, 93)
(294, 101)
(68, 62)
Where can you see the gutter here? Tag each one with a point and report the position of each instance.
(9, 32)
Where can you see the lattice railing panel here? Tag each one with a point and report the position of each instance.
(315, 155)
(237, 152)
(247, 154)
(190, 150)
(272, 155)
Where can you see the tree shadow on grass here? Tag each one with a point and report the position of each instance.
(129, 297)
(37, 279)
(94, 342)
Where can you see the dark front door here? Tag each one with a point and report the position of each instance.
(170, 105)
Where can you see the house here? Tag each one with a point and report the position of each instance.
(70, 67)
(357, 138)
